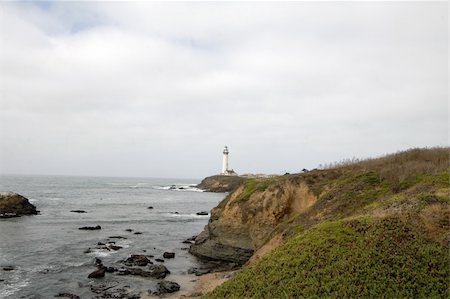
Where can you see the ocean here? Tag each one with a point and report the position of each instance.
(49, 252)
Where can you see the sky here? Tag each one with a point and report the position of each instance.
(153, 89)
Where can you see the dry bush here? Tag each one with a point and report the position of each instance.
(403, 167)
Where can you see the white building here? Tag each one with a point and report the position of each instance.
(225, 169)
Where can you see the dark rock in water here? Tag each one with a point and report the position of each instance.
(199, 271)
(160, 260)
(90, 227)
(8, 268)
(154, 271)
(169, 255)
(137, 233)
(99, 273)
(176, 213)
(78, 211)
(67, 295)
(15, 204)
(116, 237)
(129, 230)
(101, 244)
(158, 271)
(165, 287)
(114, 247)
(203, 213)
(112, 289)
(87, 250)
(150, 208)
(98, 261)
(9, 215)
(137, 260)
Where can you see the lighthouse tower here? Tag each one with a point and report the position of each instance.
(225, 161)
(225, 170)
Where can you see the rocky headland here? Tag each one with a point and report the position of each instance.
(15, 205)
(381, 223)
(221, 183)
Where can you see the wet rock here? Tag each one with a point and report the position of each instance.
(202, 213)
(115, 247)
(101, 244)
(129, 230)
(8, 215)
(111, 269)
(138, 233)
(99, 273)
(165, 287)
(89, 250)
(13, 205)
(159, 271)
(78, 211)
(160, 260)
(150, 208)
(98, 261)
(190, 240)
(116, 237)
(67, 295)
(8, 268)
(169, 255)
(137, 260)
(154, 271)
(90, 227)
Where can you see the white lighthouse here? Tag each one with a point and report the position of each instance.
(225, 170)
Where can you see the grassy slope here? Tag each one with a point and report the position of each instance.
(382, 232)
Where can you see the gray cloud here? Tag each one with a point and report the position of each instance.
(156, 89)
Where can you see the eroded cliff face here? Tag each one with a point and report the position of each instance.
(247, 218)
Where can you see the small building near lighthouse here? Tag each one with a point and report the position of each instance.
(225, 163)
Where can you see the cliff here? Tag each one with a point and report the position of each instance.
(220, 183)
(375, 228)
(13, 204)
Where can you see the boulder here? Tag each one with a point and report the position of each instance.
(137, 260)
(165, 287)
(155, 271)
(97, 227)
(13, 204)
(169, 255)
(78, 211)
(99, 273)
(202, 213)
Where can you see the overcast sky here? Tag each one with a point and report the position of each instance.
(157, 89)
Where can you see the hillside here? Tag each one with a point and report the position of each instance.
(375, 228)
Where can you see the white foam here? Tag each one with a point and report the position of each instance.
(13, 283)
(179, 187)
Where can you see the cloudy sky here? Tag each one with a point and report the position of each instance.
(157, 89)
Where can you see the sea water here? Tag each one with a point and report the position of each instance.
(48, 251)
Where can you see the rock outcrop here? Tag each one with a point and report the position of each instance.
(15, 204)
(221, 183)
(246, 218)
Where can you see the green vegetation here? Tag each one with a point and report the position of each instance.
(359, 258)
(379, 228)
(254, 185)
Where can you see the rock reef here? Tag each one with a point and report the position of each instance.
(13, 204)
